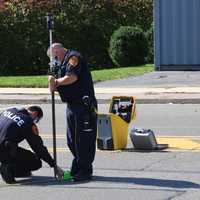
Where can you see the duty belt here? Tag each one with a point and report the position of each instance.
(71, 102)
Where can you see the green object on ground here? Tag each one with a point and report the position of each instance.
(67, 176)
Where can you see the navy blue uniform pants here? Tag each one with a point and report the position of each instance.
(81, 140)
(21, 161)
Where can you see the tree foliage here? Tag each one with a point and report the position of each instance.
(84, 25)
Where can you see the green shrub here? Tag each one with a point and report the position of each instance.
(149, 36)
(128, 46)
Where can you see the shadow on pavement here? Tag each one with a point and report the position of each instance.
(149, 182)
(47, 181)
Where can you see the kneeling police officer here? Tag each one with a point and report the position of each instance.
(17, 124)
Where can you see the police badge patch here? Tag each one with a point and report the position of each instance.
(73, 61)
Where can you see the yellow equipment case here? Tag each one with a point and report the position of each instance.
(113, 127)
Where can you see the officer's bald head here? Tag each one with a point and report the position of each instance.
(57, 50)
(56, 45)
(53, 47)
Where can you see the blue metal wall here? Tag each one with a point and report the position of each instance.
(177, 34)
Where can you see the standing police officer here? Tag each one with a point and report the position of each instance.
(15, 126)
(75, 86)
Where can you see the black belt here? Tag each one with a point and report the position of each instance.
(80, 101)
(73, 102)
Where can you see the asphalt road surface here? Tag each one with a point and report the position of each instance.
(126, 174)
(163, 119)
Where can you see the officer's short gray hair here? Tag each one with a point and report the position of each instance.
(57, 45)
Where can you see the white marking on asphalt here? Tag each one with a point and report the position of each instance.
(50, 136)
(5, 108)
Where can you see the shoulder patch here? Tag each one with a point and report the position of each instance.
(73, 60)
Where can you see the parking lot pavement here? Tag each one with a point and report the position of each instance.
(126, 175)
(170, 174)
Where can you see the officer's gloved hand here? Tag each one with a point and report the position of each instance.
(59, 173)
(52, 83)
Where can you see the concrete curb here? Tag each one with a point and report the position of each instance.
(175, 95)
(103, 101)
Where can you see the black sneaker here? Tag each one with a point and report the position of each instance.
(72, 173)
(7, 173)
(82, 177)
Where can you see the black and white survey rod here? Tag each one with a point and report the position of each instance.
(50, 26)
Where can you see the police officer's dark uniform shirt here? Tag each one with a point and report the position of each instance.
(83, 86)
(81, 139)
(16, 125)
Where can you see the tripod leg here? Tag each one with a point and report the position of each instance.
(54, 133)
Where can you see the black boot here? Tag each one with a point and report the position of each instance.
(80, 176)
(7, 174)
(74, 168)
